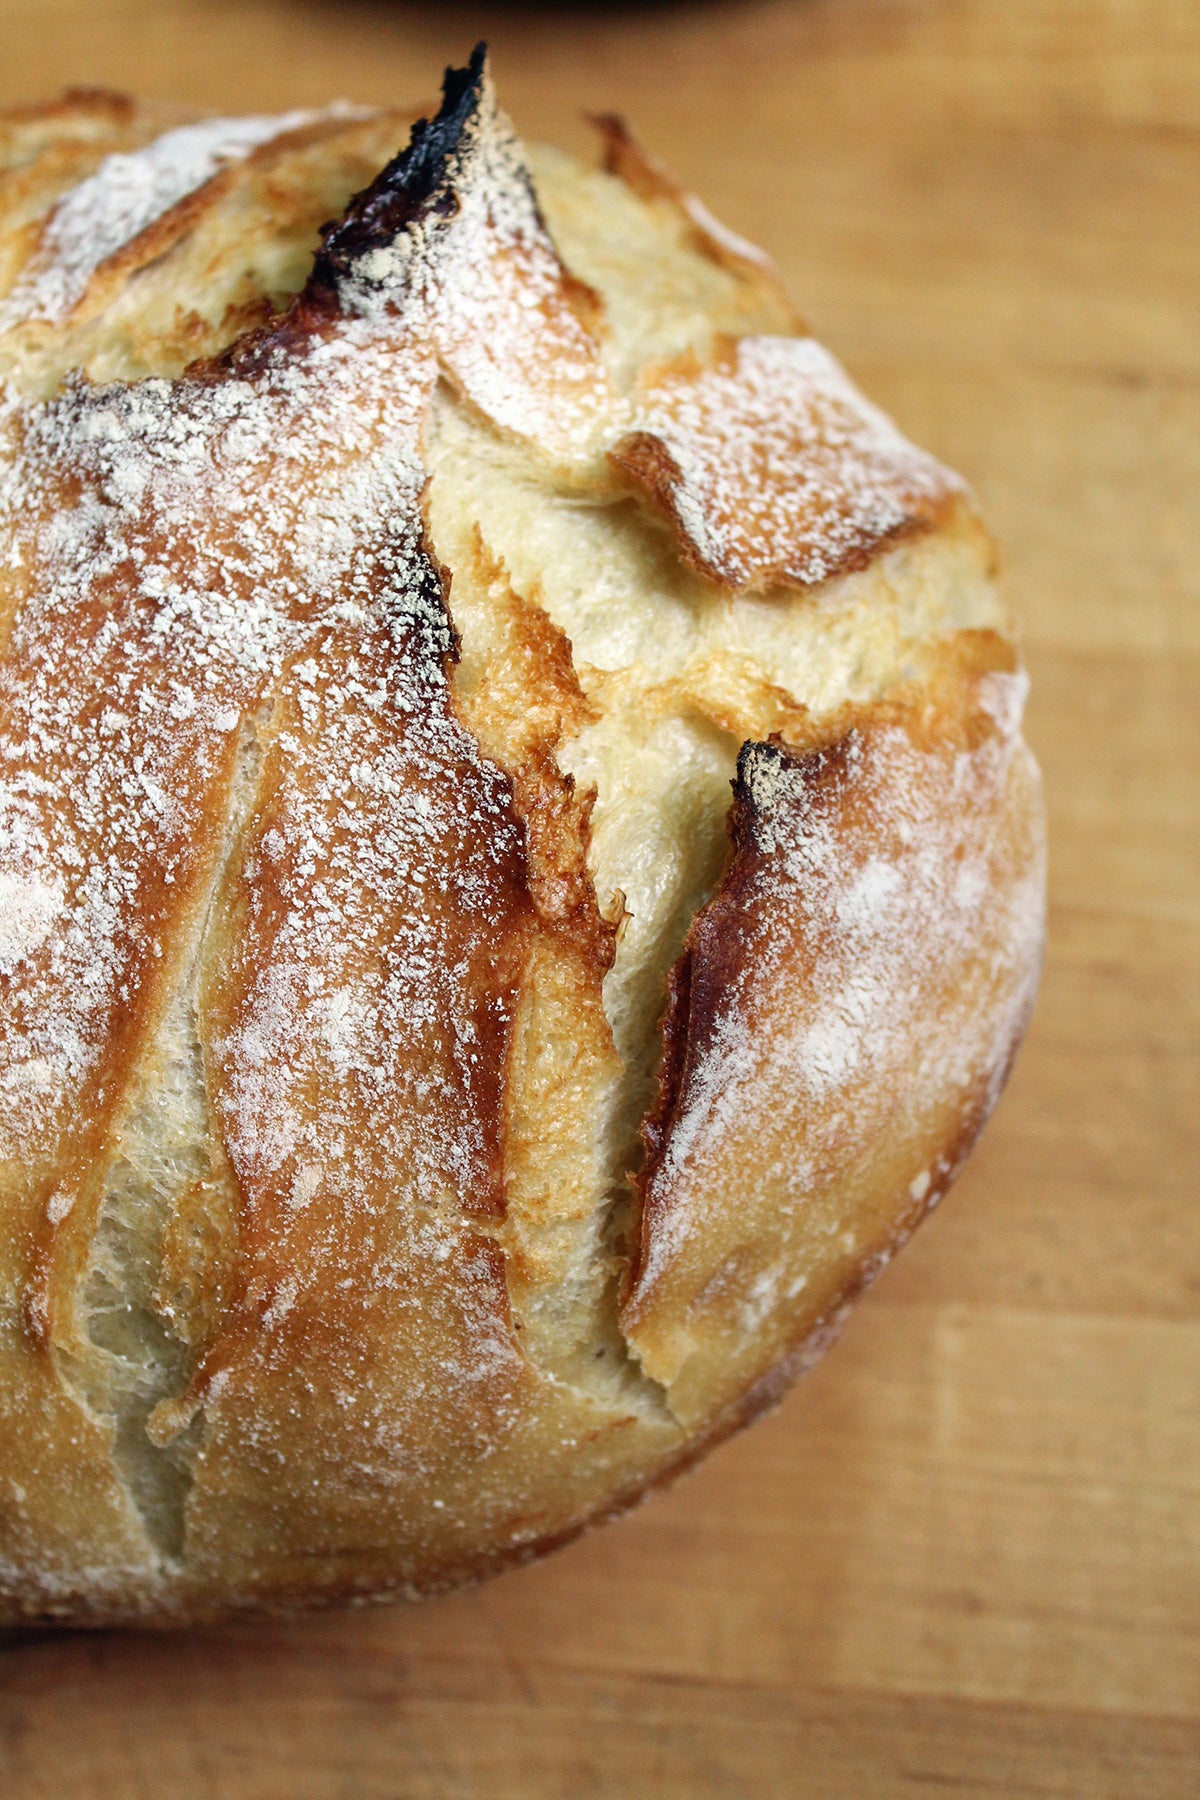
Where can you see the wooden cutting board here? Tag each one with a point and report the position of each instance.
(964, 1558)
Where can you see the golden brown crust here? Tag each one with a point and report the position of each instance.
(366, 942)
(843, 1016)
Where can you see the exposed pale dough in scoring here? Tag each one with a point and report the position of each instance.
(161, 1249)
(331, 968)
(681, 672)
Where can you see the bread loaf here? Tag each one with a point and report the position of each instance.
(520, 880)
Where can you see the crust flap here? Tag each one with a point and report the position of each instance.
(841, 1021)
(771, 466)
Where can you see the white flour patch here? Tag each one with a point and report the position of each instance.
(29, 904)
(127, 193)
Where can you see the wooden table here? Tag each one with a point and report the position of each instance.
(965, 1557)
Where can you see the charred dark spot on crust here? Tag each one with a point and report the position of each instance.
(750, 757)
(818, 766)
(414, 181)
(425, 629)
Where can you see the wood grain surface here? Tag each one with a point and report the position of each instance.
(964, 1558)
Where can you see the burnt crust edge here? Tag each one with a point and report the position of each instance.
(414, 183)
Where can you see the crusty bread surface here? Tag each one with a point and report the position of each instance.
(520, 880)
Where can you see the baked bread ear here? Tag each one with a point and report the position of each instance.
(432, 1115)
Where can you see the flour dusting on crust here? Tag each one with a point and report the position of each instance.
(773, 467)
(861, 976)
(129, 191)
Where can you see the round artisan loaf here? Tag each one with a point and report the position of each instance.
(432, 1112)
